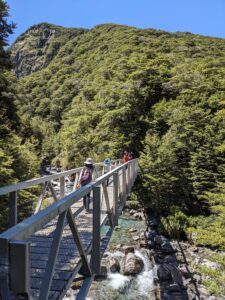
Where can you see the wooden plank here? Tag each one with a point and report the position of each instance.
(35, 293)
(57, 285)
(59, 275)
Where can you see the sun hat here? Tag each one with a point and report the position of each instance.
(89, 161)
(107, 161)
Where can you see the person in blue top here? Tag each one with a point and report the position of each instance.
(106, 168)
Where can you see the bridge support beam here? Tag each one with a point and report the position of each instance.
(96, 256)
(124, 185)
(115, 198)
(19, 267)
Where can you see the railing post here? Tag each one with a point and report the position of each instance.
(136, 167)
(95, 256)
(12, 209)
(19, 267)
(124, 184)
(115, 197)
(62, 187)
(133, 171)
(128, 179)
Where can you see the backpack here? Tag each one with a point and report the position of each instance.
(86, 176)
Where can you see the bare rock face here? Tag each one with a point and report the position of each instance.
(131, 264)
(36, 48)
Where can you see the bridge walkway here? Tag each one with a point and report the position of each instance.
(41, 256)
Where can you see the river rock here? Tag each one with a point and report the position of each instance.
(119, 246)
(150, 235)
(128, 249)
(151, 245)
(197, 278)
(163, 273)
(203, 291)
(113, 264)
(210, 264)
(160, 239)
(143, 244)
(212, 297)
(131, 264)
(173, 287)
(136, 238)
(170, 259)
(132, 211)
(139, 216)
(142, 235)
(176, 275)
(132, 230)
(152, 222)
(167, 248)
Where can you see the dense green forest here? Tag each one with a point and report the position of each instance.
(95, 92)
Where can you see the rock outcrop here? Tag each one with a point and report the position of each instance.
(35, 49)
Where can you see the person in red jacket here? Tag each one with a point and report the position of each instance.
(125, 157)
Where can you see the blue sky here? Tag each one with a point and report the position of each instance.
(206, 17)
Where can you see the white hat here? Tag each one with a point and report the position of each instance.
(89, 161)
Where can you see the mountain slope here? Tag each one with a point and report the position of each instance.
(157, 93)
(35, 48)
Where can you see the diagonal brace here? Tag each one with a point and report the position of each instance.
(77, 240)
(46, 284)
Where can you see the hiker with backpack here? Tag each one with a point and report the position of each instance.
(85, 178)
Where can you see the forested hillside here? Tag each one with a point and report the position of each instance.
(162, 95)
(18, 160)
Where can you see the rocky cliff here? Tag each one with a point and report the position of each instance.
(36, 48)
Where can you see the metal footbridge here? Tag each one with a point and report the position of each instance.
(41, 256)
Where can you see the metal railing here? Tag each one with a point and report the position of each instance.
(15, 244)
(47, 183)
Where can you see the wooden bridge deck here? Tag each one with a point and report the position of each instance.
(68, 258)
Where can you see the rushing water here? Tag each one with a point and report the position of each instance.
(118, 286)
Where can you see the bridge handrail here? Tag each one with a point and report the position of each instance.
(26, 228)
(25, 184)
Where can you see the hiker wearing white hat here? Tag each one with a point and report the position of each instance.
(85, 178)
(89, 161)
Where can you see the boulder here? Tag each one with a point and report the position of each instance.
(128, 249)
(113, 264)
(170, 259)
(151, 245)
(159, 239)
(210, 264)
(150, 235)
(167, 248)
(152, 221)
(163, 273)
(132, 230)
(131, 264)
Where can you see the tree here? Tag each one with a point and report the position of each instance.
(17, 158)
